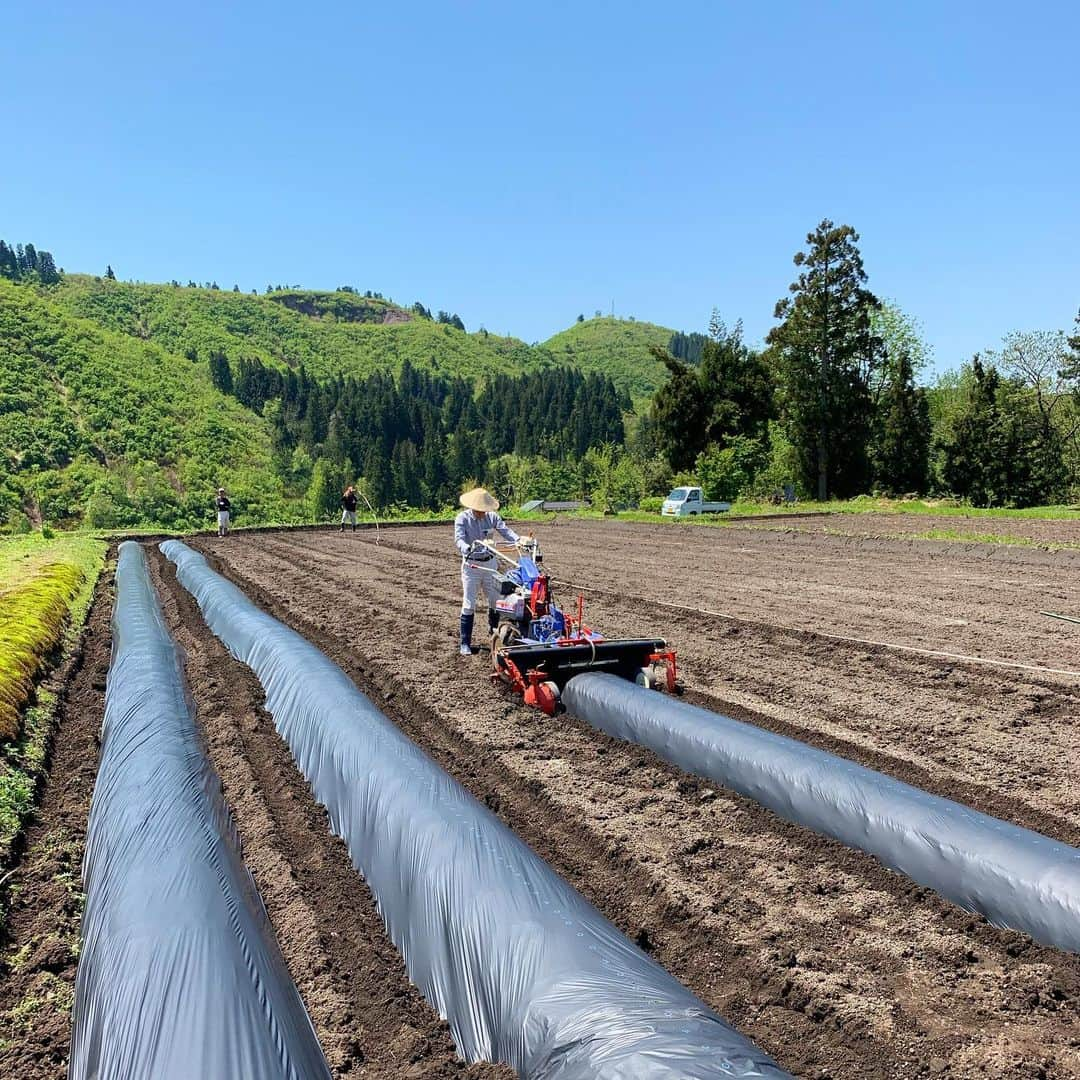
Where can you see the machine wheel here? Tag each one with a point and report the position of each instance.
(656, 676)
(544, 696)
(505, 634)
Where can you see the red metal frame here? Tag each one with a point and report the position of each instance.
(531, 684)
(507, 671)
(667, 658)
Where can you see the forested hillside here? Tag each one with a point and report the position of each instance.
(124, 404)
(417, 439)
(331, 334)
(96, 425)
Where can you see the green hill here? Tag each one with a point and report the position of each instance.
(331, 334)
(117, 407)
(337, 333)
(618, 348)
(92, 419)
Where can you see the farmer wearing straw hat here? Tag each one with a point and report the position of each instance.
(474, 525)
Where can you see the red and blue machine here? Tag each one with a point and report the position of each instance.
(539, 646)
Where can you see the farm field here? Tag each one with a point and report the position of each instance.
(1049, 532)
(830, 963)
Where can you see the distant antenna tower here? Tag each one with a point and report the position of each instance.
(613, 309)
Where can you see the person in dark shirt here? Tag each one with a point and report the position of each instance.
(223, 509)
(348, 507)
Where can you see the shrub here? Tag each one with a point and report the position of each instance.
(781, 468)
(726, 473)
(101, 509)
(324, 492)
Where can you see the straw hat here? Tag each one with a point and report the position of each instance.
(479, 499)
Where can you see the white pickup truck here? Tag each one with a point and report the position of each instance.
(687, 501)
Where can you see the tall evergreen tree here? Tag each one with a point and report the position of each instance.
(991, 454)
(825, 354)
(335, 449)
(971, 451)
(378, 475)
(405, 467)
(901, 449)
(324, 491)
(47, 271)
(433, 471)
(220, 372)
(727, 395)
(1072, 363)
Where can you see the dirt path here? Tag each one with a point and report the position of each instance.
(44, 893)
(834, 965)
(370, 1020)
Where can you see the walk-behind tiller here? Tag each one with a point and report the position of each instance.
(538, 646)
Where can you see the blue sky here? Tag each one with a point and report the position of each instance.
(519, 164)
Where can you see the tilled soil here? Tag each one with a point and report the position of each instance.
(831, 963)
(1039, 531)
(1006, 739)
(972, 599)
(370, 1020)
(44, 893)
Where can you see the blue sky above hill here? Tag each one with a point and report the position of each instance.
(521, 166)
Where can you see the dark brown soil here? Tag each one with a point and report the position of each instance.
(44, 892)
(370, 1020)
(1038, 531)
(962, 727)
(831, 963)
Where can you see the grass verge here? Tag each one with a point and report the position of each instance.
(46, 587)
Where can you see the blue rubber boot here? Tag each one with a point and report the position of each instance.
(466, 634)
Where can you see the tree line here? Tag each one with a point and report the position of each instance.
(415, 439)
(832, 407)
(687, 347)
(21, 262)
